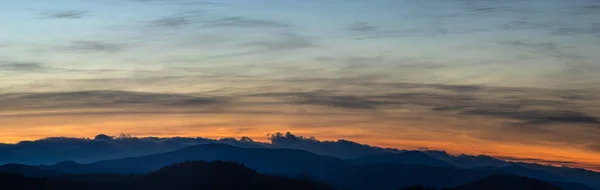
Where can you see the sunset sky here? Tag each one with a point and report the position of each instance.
(508, 78)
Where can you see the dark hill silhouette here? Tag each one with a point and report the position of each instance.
(391, 173)
(32, 171)
(501, 182)
(376, 176)
(570, 185)
(563, 175)
(188, 175)
(288, 162)
(218, 175)
(505, 182)
(393, 176)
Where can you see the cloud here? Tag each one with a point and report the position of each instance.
(243, 22)
(22, 66)
(462, 100)
(67, 15)
(594, 147)
(285, 41)
(281, 43)
(364, 30)
(213, 21)
(95, 47)
(536, 160)
(17, 66)
(362, 27)
(542, 164)
(341, 148)
(173, 22)
(535, 116)
(370, 101)
(89, 99)
(342, 101)
(460, 88)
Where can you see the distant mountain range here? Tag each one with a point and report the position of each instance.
(103, 147)
(379, 171)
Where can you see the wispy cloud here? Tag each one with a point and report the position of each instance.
(282, 43)
(90, 99)
(67, 15)
(362, 27)
(244, 22)
(173, 22)
(95, 47)
(22, 67)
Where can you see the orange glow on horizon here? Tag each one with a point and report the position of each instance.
(215, 126)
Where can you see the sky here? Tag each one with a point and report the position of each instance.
(514, 78)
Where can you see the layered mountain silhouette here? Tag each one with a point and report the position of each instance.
(355, 166)
(233, 175)
(103, 147)
(32, 171)
(383, 171)
(288, 162)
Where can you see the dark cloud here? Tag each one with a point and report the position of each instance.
(371, 101)
(555, 27)
(103, 98)
(461, 100)
(537, 160)
(40, 67)
(364, 30)
(460, 88)
(340, 101)
(542, 46)
(318, 98)
(206, 20)
(281, 43)
(184, 2)
(535, 116)
(96, 47)
(21, 66)
(285, 41)
(352, 62)
(173, 22)
(362, 27)
(244, 22)
(67, 15)
(594, 147)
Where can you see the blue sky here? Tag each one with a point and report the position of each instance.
(501, 43)
(515, 76)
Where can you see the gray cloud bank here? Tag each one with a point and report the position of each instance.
(513, 114)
